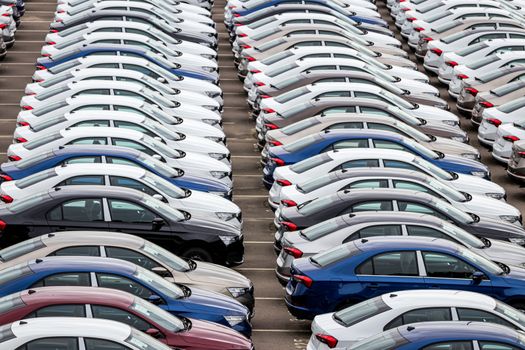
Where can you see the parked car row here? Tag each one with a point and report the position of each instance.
(116, 199)
(376, 191)
(11, 12)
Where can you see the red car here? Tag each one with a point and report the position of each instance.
(120, 306)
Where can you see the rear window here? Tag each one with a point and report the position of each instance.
(30, 161)
(315, 184)
(334, 255)
(14, 272)
(39, 111)
(42, 141)
(361, 311)
(485, 78)
(64, 66)
(277, 57)
(310, 163)
(48, 122)
(10, 303)
(281, 69)
(299, 126)
(483, 62)
(315, 205)
(6, 333)
(270, 44)
(20, 249)
(471, 49)
(290, 95)
(302, 143)
(507, 88)
(513, 105)
(55, 80)
(322, 229)
(50, 92)
(35, 178)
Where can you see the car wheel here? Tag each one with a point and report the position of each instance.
(198, 254)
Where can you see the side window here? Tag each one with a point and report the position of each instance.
(489, 345)
(384, 144)
(83, 180)
(130, 183)
(122, 283)
(105, 65)
(111, 313)
(334, 44)
(131, 144)
(89, 123)
(346, 125)
(366, 184)
(426, 232)
(386, 127)
(374, 111)
(516, 36)
(322, 68)
(141, 69)
(83, 160)
(77, 251)
(421, 315)
(369, 96)
(380, 230)
(107, 41)
(131, 256)
(488, 37)
(114, 160)
(133, 126)
(92, 108)
(360, 163)
(119, 92)
(514, 62)
(123, 211)
(334, 94)
(317, 55)
(407, 185)
(451, 345)
(93, 92)
(481, 316)
(357, 143)
(307, 44)
(507, 49)
(390, 264)
(372, 206)
(64, 343)
(332, 80)
(418, 208)
(80, 210)
(77, 279)
(349, 109)
(102, 344)
(445, 266)
(90, 141)
(399, 164)
(78, 310)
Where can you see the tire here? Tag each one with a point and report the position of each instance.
(198, 254)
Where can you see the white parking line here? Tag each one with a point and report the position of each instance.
(268, 298)
(252, 157)
(29, 41)
(254, 269)
(6, 90)
(15, 76)
(244, 175)
(258, 242)
(281, 330)
(250, 196)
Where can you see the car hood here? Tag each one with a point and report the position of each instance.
(210, 202)
(474, 184)
(216, 274)
(427, 99)
(449, 146)
(204, 334)
(501, 228)
(483, 205)
(507, 253)
(462, 164)
(432, 113)
(202, 301)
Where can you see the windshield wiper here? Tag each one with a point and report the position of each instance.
(486, 242)
(505, 268)
(468, 196)
(315, 262)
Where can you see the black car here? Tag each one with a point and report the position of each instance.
(119, 209)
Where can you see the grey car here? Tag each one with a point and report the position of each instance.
(358, 200)
(345, 228)
(470, 88)
(496, 97)
(516, 165)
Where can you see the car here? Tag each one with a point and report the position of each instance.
(7, 25)
(359, 106)
(334, 121)
(345, 228)
(515, 168)
(329, 140)
(366, 268)
(493, 117)
(496, 97)
(483, 66)
(197, 204)
(119, 306)
(393, 310)
(3, 48)
(445, 334)
(199, 274)
(94, 154)
(71, 333)
(200, 3)
(336, 181)
(95, 272)
(191, 163)
(122, 209)
(507, 135)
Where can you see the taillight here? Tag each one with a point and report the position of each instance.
(405, 9)
(437, 51)
(278, 161)
(51, 43)
(46, 55)
(419, 29)
(60, 11)
(511, 138)
(427, 39)
(289, 226)
(275, 143)
(5, 15)
(236, 15)
(451, 63)
(260, 83)
(283, 183)
(486, 104)
(462, 76)
(6, 178)
(411, 19)
(246, 46)
(40, 67)
(23, 124)
(53, 31)
(288, 203)
(3, 225)
(238, 24)
(20, 140)
(265, 96)
(242, 35)
(296, 253)
(271, 126)
(268, 110)
(471, 91)
(494, 121)
(6, 199)
(330, 341)
(3, 25)
(14, 158)
(307, 281)
(254, 71)
(250, 59)
(521, 154)
(27, 108)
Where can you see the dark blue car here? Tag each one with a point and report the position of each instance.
(327, 3)
(369, 267)
(446, 336)
(104, 154)
(124, 50)
(122, 275)
(330, 140)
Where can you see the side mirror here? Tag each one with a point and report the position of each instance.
(161, 80)
(157, 224)
(161, 271)
(154, 299)
(158, 138)
(477, 277)
(153, 332)
(157, 157)
(158, 196)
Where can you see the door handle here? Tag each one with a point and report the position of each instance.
(434, 286)
(373, 285)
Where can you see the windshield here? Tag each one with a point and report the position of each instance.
(432, 169)
(422, 150)
(380, 73)
(158, 283)
(411, 132)
(487, 265)
(362, 311)
(143, 341)
(310, 163)
(161, 130)
(515, 315)
(299, 126)
(316, 205)
(158, 166)
(462, 236)
(164, 209)
(157, 315)
(290, 95)
(159, 146)
(21, 248)
(322, 229)
(445, 190)
(164, 186)
(334, 255)
(302, 143)
(165, 257)
(398, 100)
(453, 212)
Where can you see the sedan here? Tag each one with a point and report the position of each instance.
(506, 136)
(516, 165)
(118, 274)
(493, 117)
(366, 268)
(495, 98)
(116, 305)
(199, 274)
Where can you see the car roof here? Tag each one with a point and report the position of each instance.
(372, 133)
(72, 294)
(99, 149)
(406, 242)
(67, 238)
(371, 152)
(385, 193)
(392, 216)
(349, 173)
(81, 263)
(432, 298)
(90, 191)
(81, 169)
(71, 326)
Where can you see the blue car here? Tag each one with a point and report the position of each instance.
(444, 336)
(122, 275)
(370, 267)
(117, 49)
(104, 154)
(330, 140)
(327, 3)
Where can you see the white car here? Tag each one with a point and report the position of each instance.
(320, 165)
(120, 117)
(42, 76)
(7, 25)
(510, 112)
(173, 7)
(118, 88)
(437, 49)
(506, 136)
(483, 66)
(283, 104)
(71, 332)
(191, 163)
(105, 119)
(202, 3)
(480, 205)
(390, 310)
(195, 202)
(132, 27)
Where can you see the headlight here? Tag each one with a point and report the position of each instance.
(459, 138)
(220, 194)
(470, 155)
(479, 173)
(209, 69)
(211, 121)
(210, 57)
(451, 122)
(225, 216)
(234, 320)
(498, 196)
(519, 241)
(218, 156)
(215, 138)
(211, 108)
(237, 292)
(219, 174)
(509, 218)
(212, 94)
(227, 240)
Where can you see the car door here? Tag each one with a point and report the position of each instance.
(445, 271)
(122, 316)
(77, 214)
(389, 272)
